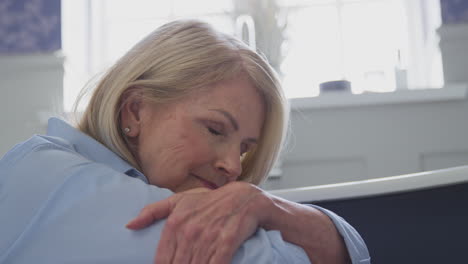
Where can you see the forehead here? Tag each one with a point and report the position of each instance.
(238, 96)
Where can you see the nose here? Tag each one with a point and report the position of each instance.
(229, 164)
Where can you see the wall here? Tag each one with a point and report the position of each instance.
(454, 40)
(338, 138)
(454, 11)
(31, 71)
(29, 26)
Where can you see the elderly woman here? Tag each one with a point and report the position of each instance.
(187, 123)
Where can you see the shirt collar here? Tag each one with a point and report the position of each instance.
(90, 148)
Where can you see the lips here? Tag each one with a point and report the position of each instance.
(206, 183)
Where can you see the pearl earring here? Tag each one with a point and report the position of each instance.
(126, 130)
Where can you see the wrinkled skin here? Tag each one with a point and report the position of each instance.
(205, 226)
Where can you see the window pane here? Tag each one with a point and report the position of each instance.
(313, 52)
(304, 2)
(223, 23)
(360, 41)
(373, 36)
(136, 9)
(122, 35)
(191, 7)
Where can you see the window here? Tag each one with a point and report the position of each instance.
(97, 32)
(367, 42)
(361, 41)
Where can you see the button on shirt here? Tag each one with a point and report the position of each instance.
(65, 198)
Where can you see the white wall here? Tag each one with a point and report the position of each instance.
(30, 91)
(340, 138)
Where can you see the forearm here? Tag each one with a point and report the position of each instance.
(308, 228)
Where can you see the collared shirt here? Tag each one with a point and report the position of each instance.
(65, 198)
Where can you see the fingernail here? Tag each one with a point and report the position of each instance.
(129, 224)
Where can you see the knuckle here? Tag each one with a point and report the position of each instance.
(211, 234)
(174, 221)
(228, 239)
(146, 210)
(191, 232)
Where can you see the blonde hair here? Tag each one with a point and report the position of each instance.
(174, 60)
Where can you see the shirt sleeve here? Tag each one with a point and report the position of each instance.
(266, 247)
(356, 246)
(63, 208)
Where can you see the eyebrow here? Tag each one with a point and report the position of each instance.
(233, 121)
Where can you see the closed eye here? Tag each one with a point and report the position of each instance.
(214, 131)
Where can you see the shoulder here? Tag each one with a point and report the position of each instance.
(56, 198)
(33, 145)
(44, 164)
(43, 160)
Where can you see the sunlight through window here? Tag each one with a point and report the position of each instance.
(367, 42)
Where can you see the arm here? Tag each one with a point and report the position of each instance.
(308, 228)
(249, 206)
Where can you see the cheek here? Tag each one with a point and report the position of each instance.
(148, 155)
(200, 151)
(167, 164)
(191, 149)
(196, 147)
(162, 164)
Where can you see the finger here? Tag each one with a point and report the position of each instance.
(167, 244)
(183, 252)
(230, 240)
(150, 213)
(158, 210)
(203, 251)
(223, 254)
(200, 254)
(188, 235)
(207, 256)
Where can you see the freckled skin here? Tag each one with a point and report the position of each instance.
(175, 140)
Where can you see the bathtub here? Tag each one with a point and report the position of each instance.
(413, 218)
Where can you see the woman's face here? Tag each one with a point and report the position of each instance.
(198, 141)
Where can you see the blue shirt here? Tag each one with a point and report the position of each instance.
(65, 198)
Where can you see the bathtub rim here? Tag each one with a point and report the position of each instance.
(376, 187)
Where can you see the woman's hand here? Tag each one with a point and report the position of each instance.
(205, 226)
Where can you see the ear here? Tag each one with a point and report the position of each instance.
(130, 113)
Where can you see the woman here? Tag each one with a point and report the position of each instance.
(190, 119)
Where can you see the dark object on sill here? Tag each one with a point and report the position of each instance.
(335, 86)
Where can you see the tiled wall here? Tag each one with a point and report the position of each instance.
(29, 26)
(454, 11)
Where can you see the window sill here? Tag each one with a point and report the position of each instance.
(449, 92)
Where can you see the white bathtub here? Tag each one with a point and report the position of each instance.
(413, 218)
(380, 186)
